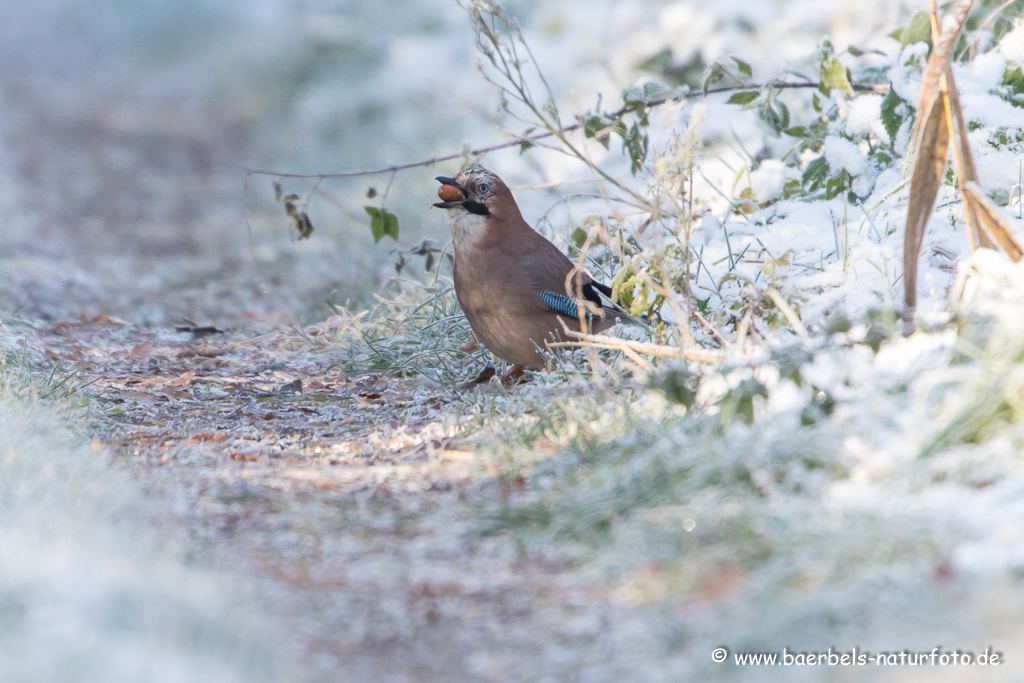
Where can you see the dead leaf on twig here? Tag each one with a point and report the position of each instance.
(941, 119)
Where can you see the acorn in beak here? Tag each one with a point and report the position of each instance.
(450, 193)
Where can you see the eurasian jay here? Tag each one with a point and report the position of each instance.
(513, 284)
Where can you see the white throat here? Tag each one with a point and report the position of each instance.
(467, 228)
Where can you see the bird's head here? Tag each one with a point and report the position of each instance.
(476, 198)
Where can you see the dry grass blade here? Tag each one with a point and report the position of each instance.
(992, 223)
(791, 316)
(966, 170)
(631, 348)
(931, 138)
(929, 167)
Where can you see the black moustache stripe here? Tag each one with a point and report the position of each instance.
(475, 207)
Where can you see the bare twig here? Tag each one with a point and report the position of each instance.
(539, 136)
(603, 341)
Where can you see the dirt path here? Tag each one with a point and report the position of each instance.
(342, 502)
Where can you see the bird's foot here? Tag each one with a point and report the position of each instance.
(483, 378)
(512, 376)
(466, 351)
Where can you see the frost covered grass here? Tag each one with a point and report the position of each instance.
(890, 522)
(88, 589)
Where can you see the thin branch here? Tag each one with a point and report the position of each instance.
(540, 136)
(584, 340)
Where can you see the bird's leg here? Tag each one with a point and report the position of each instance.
(467, 350)
(512, 375)
(483, 378)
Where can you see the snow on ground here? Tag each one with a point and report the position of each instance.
(89, 591)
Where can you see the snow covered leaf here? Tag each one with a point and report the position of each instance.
(743, 67)
(775, 114)
(744, 97)
(919, 30)
(893, 114)
(815, 174)
(712, 75)
(834, 76)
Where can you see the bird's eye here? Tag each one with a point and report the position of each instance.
(483, 188)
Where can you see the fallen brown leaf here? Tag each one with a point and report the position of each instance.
(183, 380)
(140, 350)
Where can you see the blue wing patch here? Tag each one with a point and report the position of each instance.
(561, 304)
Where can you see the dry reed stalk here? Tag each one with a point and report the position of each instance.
(941, 120)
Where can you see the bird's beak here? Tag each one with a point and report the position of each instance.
(445, 180)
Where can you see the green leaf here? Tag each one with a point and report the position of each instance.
(678, 384)
(816, 103)
(376, 223)
(303, 226)
(743, 97)
(791, 188)
(775, 114)
(657, 63)
(713, 74)
(622, 287)
(1003, 25)
(834, 77)
(892, 113)
(524, 143)
(918, 31)
(815, 173)
(743, 67)
(797, 132)
(383, 223)
(578, 237)
(838, 184)
(636, 100)
(377, 228)
(390, 224)
(859, 52)
(1013, 79)
(784, 113)
(635, 143)
(593, 125)
(739, 401)
(652, 92)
